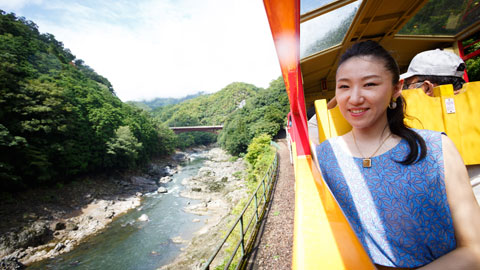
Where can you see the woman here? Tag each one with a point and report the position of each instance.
(405, 192)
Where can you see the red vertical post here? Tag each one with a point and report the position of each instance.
(284, 19)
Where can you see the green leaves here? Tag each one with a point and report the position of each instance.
(59, 118)
(257, 147)
(259, 156)
(123, 148)
(213, 109)
(262, 114)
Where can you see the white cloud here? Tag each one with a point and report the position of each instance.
(15, 5)
(168, 48)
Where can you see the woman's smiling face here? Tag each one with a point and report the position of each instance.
(363, 91)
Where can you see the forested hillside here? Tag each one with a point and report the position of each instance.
(58, 117)
(210, 109)
(213, 109)
(244, 110)
(264, 113)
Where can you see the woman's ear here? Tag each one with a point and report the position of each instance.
(397, 89)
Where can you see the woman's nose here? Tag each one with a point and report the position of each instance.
(356, 96)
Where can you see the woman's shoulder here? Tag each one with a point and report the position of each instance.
(429, 135)
(427, 132)
(433, 142)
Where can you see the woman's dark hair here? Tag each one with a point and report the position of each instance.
(395, 116)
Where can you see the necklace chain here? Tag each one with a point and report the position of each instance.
(367, 161)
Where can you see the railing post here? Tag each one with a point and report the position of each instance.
(270, 173)
(256, 208)
(264, 193)
(241, 231)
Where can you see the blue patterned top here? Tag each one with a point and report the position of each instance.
(399, 212)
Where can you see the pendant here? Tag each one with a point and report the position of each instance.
(367, 163)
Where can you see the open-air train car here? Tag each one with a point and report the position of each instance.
(309, 38)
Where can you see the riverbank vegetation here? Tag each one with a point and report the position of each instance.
(260, 156)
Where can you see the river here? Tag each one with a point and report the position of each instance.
(128, 243)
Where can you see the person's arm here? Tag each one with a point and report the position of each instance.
(465, 213)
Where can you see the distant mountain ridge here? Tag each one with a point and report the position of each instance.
(160, 102)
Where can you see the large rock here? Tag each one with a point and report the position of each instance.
(169, 170)
(156, 170)
(11, 263)
(144, 183)
(143, 217)
(34, 235)
(180, 157)
(60, 225)
(165, 179)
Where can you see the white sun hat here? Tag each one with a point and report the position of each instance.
(435, 62)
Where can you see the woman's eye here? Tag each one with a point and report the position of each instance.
(343, 86)
(370, 84)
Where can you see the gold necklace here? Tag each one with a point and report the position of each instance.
(367, 161)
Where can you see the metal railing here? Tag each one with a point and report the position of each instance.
(251, 212)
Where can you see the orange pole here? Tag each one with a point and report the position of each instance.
(284, 19)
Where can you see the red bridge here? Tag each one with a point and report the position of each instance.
(213, 129)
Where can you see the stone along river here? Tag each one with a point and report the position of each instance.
(131, 242)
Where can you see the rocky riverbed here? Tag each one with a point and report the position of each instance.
(219, 185)
(43, 223)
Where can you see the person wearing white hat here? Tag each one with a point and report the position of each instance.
(434, 67)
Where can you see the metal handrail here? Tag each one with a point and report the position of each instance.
(246, 246)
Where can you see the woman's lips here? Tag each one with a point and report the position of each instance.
(358, 112)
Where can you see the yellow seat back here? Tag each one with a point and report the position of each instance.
(456, 115)
(330, 122)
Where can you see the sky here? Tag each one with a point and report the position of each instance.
(161, 48)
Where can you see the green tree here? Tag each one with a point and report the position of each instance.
(260, 155)
(123, 148)
(59, 118)
(256, 148)
(264, 113)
